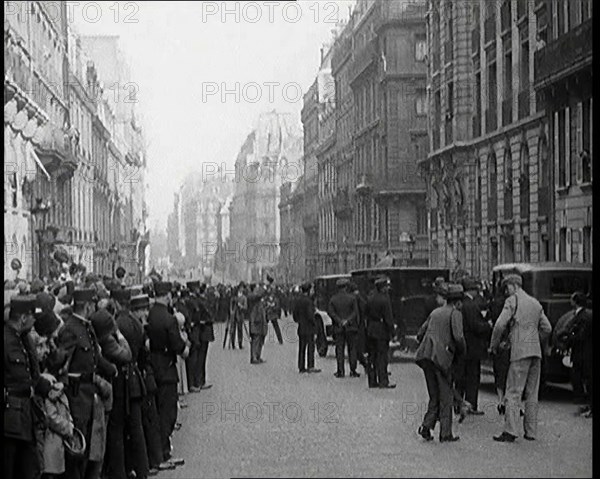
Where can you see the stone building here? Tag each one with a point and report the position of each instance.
(292, 241)
(563, 79)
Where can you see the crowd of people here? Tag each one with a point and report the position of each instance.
(95, 367)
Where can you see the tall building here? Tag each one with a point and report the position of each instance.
(563, 79)
(491, 168)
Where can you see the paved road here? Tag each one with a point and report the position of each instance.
(269, 421)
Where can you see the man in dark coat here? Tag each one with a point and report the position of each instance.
(165, 344)
(361, 337)
(21, 378)
(578, 337)
(304, 314)
(477, 334)
(206, 333)
(259, 326)
(380, 329)
(273, 306)
(343, 309)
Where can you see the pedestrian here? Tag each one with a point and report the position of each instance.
(206, 333)
(196, 311)
(380, 329)
(531, 327)
(477, 334)
(343, 309)
(165, 344)
(441, 337)
(578, 337)
(273, 308)
(361, 337)
(259, 327)
(181, 369)
(304, 314)
(238, 316)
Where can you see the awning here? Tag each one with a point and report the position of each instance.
(31, 159)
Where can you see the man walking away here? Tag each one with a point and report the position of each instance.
(304, 314)
(258, 325)
(273, 308)
(531, 327)
(441, 336)
(343, 309)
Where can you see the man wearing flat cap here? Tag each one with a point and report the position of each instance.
(343, 309)
(477, 332)
(165, 344)
(304, 314)
(529, 329)
(21, 378)
(380, 329)
(441, 338)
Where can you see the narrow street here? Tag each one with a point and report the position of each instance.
(269, 421)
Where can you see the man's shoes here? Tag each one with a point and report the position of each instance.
(303, 370)
(206, 386)
(449, 439)
(475, 412)
(529, 438)
(374, 386)
(194, 389)
(183, 404)
(177, 426)
(339, 375)
(252, 361)
(354, 374)
(166, 466)
(314, 370)
(260, 361)
(153, 471)
(177, 461)
(240, 347)
(387, 386)
(463, 410)
(425, 433)
(505, 437)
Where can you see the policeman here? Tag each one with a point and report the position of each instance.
(304, 314)
(139, 308)
(380, 329)
(21, 375)
(273, 306)
(207, 333)
(165, 344)
(343, 309)
(78, 339)
(196, 313)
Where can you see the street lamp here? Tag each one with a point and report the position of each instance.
(41, 209)
(112, 255)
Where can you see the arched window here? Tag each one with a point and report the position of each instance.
(492, 177)
(543, 178)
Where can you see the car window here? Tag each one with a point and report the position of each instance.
(567, 284)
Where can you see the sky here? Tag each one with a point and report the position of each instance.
(185, 56)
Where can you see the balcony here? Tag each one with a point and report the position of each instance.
(362, 59)
(364, 183)
(341, 204)
(54, 148)
(507, 111)
(491, 120)
(524, 104)
(564, 56)
(489, 32)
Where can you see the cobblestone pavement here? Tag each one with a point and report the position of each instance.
(268, 420)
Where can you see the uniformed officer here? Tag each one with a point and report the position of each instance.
(343, 309)
(380, 329)
(201, 334)
(207, 334)
(78, 338)
(304, 314)
(21, 375)
(165, 344)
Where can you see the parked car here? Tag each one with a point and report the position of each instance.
(411, 286)
(552, 284)
(325, 288)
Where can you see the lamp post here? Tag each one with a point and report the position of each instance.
(40, 210)
(112, 255)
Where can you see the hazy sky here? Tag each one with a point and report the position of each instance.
(184, 54)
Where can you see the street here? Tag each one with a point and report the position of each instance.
(270, 421)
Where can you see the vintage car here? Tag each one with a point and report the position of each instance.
(325, 287)
(552, 284)
(411, 286)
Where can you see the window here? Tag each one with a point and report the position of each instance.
(587, 244)
(562, 244)
(421, 220)
(421, 48)
(560, 139)
(492, 188)
(421, 102)
(450, 100)
(586, 144)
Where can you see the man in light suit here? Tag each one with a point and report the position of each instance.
(531, 327)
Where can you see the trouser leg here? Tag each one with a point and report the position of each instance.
(530, 396)
(239, 325)
(302, 343)
(202, 360)
(433, 407)
(577, 380)
(261, 343)
(371, 361)
(20, 459)
(115, 440)
(277, 329)
(310, 346)
(151, 423)
(445, 401)
(458, 380)
(340, 342)
(515, 385)
(382, 362)
(167, 412)
(137, 454)
(352, 353)
(472, 379)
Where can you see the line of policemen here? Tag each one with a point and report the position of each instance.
(116, 357)
(362, 326)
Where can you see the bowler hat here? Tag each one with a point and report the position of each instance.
(512, 278)
(84, 295)
(22, 304)
(455, 291)
(306, 287)
(136, 290)
(342, 282)
(141, 301)
(162, 288)
(103, 323)
(121, 295)
(120, 273)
